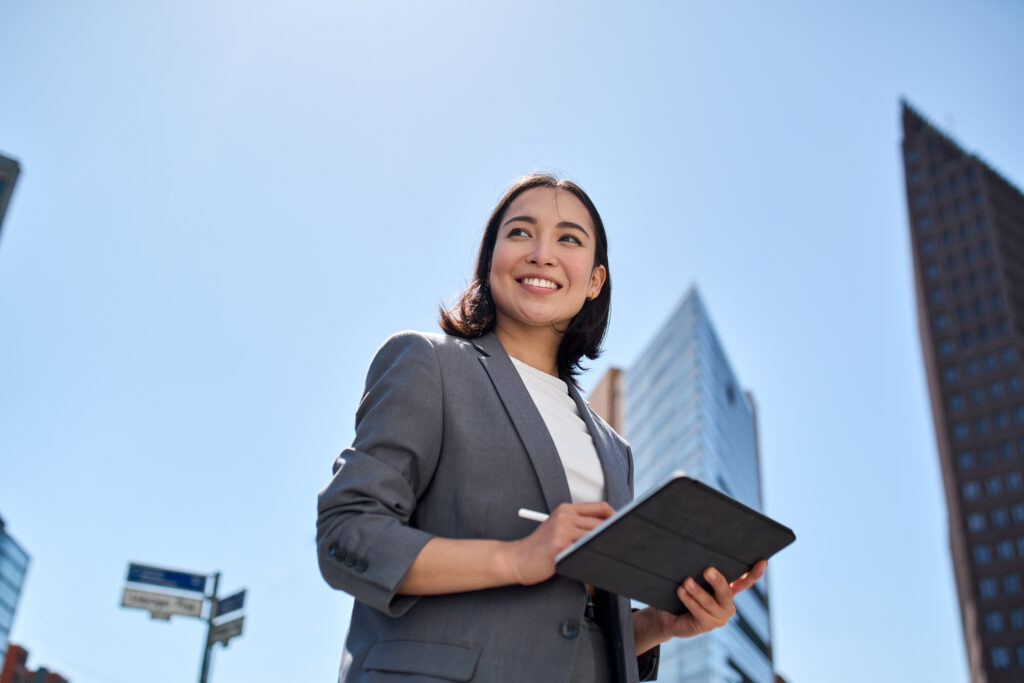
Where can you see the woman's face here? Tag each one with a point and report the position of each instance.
(542, 269)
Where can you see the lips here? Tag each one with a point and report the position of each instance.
(534, 281)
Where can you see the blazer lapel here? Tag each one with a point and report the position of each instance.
(613, 460)
(526, 419)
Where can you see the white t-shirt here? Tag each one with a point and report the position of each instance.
(569, 432)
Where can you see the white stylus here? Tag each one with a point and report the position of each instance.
(532, 515)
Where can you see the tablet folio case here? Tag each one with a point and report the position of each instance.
(673, 533)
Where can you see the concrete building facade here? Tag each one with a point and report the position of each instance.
(967, 239)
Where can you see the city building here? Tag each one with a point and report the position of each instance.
(681, 407)
(967, 240)
(13, 565)
(15, 669)
(9, 170)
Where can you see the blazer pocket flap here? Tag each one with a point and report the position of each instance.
(442, 660)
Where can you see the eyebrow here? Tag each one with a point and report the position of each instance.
(533, 221)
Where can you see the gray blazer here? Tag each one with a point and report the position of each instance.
(449, 443)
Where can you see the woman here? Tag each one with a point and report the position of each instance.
(454, 434)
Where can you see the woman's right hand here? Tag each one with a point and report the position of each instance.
(532, 559)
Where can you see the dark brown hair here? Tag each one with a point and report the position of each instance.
(473, 314)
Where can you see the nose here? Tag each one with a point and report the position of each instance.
(542, 254)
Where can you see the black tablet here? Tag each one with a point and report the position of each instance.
(674, 531)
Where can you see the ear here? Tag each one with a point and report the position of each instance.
(597, 278)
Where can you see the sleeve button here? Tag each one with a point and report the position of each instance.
(332, 549)
(570, 628)
(361, 566)
(350, 560)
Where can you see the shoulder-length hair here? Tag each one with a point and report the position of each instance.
(473, 314)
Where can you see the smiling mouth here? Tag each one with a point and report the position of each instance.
(539, 282)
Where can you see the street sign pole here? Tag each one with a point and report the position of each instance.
(209, 630)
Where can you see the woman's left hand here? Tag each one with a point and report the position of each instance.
(706, 611)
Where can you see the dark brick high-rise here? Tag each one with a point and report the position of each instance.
(967, 237)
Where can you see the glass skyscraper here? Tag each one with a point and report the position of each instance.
(683, 408)
(13, 565)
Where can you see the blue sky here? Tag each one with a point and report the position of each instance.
(226, 206)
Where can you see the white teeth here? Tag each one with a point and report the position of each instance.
(538, 282)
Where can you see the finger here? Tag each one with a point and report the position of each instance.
(601, 509)
(706, 600)
(703, 619)
(723, 592)
(750, 578)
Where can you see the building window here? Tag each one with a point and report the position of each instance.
(994, 622)
(1017, 512)
(1000, 517)
(991, 361)
(1017, 619)
(1020, 655)
(1018, 414)
(993, 486)
(1020, 546)
(971, 490)
(920, 199)
(987, 456)
(956, 402)
(982, 554)
(1006, 451)
(1002, 328)
(1008, 356)
(977, 396)
(932, 271)
(972, 368)
(1014, 481)
(942, 321)
(1002, 419)
(925, 223)
(995, 390)
(951, 374)
(1011, 584)
(1014, 385)
(961, 431)
(983, 425)
(1000, 657)
(1004, 549)
(988, 588)
(965, 461)
(976, 521)
(946, 348)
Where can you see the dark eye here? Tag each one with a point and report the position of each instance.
(571, 238)
(518, 232)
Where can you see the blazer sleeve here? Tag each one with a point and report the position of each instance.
(365, 544)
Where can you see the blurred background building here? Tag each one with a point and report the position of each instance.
(9, 170)
(681, 407)
(967, 237)
(15, 669)
(13, 565)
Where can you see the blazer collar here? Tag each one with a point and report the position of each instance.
(536, 438)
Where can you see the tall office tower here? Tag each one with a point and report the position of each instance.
(8, 174)
(13, 565)
(967, 237)
(682, 408)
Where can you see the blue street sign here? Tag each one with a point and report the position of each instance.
(230, 603)
(140, 573)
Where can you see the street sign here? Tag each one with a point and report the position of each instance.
(161, 605)
(140, 573)
(224, 632)
(230, 603)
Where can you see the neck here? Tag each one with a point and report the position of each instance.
(535, 346)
